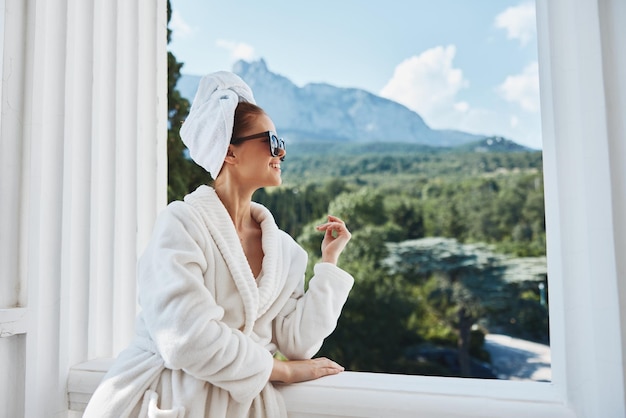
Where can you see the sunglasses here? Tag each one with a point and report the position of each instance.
(277, 145)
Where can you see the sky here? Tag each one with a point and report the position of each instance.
(469, 65)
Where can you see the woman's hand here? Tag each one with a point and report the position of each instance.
(335, 239)
(294, 371)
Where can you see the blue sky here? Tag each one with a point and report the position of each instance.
(469, 65)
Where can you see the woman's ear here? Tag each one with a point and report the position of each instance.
(230, 158)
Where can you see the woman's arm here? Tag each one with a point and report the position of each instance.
(306, 319)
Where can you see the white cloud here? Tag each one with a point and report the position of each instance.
(461, 106)
(523, 88)
(238, 50)
(427, 83)
(179, 27)
(519, 22)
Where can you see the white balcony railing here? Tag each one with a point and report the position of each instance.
(352, 394)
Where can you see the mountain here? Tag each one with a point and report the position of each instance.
(322, 112)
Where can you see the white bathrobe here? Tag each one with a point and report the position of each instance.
(207, 329)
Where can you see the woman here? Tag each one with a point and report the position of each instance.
(221, 288)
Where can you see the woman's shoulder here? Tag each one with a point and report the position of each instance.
(177, 209)
(200, 200)
(179, 212)
(202, 196)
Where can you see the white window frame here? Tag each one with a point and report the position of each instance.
(582, 52)
(579, 63)
(2, 13)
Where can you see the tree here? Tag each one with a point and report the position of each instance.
(373, 330)
(407, 213)
(360, 208)
(470, 277)
(183, 174)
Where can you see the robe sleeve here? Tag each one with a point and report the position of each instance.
(182, 317)
(308, 318)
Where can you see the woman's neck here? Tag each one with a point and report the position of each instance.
(237, 201)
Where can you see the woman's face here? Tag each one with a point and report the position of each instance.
(255, 164)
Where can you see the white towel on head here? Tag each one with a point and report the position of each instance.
(207, 130)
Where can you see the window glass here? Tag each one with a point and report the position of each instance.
(419, 124)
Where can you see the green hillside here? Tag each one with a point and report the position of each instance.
(486, 207)
(492, 197)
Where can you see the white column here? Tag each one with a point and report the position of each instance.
(13, 315)
(11, 151)
(75, 252)
(151, 116)
(125, 233)
(78, 109)
(613, 33)
(43, 135)
(584, 318)
(102, 179)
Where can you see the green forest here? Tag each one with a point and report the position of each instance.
(447, 245)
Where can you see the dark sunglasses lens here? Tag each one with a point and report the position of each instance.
(276, 145)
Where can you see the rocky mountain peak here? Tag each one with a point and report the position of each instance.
(323, 112)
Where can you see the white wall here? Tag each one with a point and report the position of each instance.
(82, 175)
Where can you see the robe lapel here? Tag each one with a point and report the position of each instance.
(222, 230)
(257, 297)
(273, 253)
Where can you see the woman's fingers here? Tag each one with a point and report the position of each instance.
(329, 366)
(334, 219)
(303, 370)
(333, 224)
(336, 237)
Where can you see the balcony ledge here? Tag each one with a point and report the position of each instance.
(358, 394)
